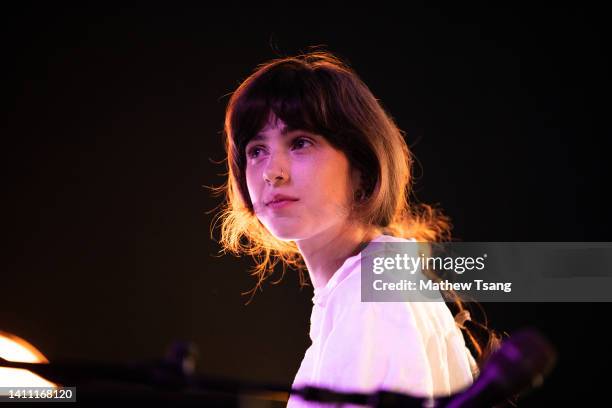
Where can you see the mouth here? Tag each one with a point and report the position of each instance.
(275, 204)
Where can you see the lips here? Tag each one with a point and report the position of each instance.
(275, 205)
(279, 199)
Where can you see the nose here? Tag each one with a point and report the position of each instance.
(276, 172)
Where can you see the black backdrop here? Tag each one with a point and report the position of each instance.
(112, 127)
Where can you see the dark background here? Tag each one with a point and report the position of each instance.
(113, 123)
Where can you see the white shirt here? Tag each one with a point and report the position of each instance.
(410, 347)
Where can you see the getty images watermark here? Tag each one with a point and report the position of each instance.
(487, 271)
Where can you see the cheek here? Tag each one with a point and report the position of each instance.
(331, 183)
(251, 184)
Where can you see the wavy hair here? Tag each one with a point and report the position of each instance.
(320, 93)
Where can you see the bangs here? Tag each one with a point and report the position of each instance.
(294, 94)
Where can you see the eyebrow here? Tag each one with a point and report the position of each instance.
(287, 129)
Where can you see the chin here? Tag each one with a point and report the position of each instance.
(285, 235)
(285, 231)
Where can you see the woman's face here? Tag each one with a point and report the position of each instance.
(305, 168)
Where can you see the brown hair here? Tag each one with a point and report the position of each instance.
(320, 93)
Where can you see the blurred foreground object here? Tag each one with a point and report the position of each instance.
(14, 348)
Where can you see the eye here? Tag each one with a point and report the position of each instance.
(253, 152)
(300, 141)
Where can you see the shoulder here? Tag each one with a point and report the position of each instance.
(433, 317)
(346, 300)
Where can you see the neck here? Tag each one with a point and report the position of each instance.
(325, 252)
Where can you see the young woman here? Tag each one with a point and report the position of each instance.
(316, 171)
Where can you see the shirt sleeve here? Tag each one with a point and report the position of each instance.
(374, 346)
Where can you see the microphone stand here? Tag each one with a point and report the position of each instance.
(521, 362)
